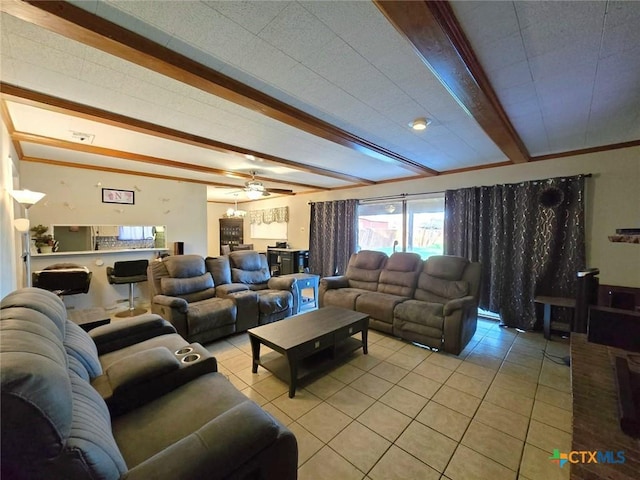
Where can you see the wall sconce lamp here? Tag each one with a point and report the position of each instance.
(27, 199)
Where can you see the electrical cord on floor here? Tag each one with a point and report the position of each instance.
(565, 360)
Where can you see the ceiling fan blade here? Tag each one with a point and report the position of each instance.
(282, 191)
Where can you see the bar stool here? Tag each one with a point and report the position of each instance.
(130, 272)
(63, 279)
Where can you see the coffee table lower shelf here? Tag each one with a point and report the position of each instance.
(312, 365)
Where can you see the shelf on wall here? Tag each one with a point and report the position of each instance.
(625, 238)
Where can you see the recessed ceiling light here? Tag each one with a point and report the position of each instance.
(420, 123)
(250, 157)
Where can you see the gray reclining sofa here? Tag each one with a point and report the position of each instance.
(55, 424)
(432, 302)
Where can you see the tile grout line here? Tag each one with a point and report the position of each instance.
(486, 335)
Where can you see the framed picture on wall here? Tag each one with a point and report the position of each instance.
(110, 195)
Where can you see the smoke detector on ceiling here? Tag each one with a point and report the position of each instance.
(82, 137)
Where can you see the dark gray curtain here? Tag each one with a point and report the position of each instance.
(529, 238)
(332, 236)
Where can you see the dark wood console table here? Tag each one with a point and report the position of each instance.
(283, 261)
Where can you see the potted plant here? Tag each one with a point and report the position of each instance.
(44, 242)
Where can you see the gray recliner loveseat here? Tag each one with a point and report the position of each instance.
(206, 299)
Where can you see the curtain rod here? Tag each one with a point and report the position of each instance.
(403, 195)
(388, 197)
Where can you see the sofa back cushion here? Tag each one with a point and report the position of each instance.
(447, 267)
(192, 289)
(54, 423)
(81, 347)
(400, 274)
(363, 270)
(184, 266)
(437, 290)
(155, 272)
(442, 279)
(219, 268)
(43, 301)
(249, 266)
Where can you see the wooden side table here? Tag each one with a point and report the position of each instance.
(305, 280)
(549, 302)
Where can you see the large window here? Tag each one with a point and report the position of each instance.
(402, 225)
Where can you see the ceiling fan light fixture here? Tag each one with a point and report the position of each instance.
(420, 123)
(254, 194)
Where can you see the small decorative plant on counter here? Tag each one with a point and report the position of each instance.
(44, 242)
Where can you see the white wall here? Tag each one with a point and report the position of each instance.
(613, 201)
(11, 271)
(74, 197)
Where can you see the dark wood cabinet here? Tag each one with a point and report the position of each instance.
(231, 232)
(284, 261)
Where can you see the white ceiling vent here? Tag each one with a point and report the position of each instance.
(82, 137)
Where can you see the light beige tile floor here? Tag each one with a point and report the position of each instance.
(496, 411)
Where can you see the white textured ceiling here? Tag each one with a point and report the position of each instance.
(566, 73)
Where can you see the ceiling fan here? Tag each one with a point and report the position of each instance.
(255, 189)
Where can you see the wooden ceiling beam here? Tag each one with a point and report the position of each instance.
(77, 24)
(99, 168)
(59, 105)
(433, 30)
(138, 157)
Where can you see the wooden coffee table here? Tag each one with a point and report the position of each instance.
(308, 343)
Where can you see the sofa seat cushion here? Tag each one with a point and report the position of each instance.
(419, 321)
(175, 416)
(424, 313)
(210, 314)
(378, 305)
(343, 297)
